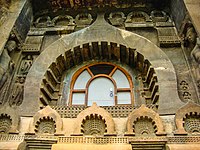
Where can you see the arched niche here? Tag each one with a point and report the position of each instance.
(187, 111)
(94, 110)
(168, 101)
(10, 120)
(144, 113)
(50, 117)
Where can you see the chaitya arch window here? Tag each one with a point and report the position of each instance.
(104, 83)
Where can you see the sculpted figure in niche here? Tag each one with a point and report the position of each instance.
(196, 55)
(17, 92)
(11, 46)
(26, 65)
(5, 81)
(190, 37)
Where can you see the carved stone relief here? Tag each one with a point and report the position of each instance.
(184, 89)
(117, 19)
(93, 125)
(187, 119)
(43, 22)
(168, 37)
(195, 54)
(63, 21)
(16, 97)
(45, 125)
(83, 20)
(5, 82)
(104, 121)
(46, 121)
(192, 123)
(148, 121)
(32, 44)
(5, 123)
(26, 64)
(138, 19)
(144, 126)
(159, 16)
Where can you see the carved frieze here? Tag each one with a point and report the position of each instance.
(33, 44)
(167, 37)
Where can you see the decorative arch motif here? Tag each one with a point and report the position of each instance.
(51, 83)
(116, 18)
(43, 21)
(146, 118)
(144, 126)
(159, 16)
(63, 20)
(93, 125)
(137, 17)
(45, 125)
(118, 45)
(5, 123)
(45, 121)
(9, 120)
(187, 119)
(84, 19)
(105, 120)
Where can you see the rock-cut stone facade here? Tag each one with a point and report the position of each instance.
(99, 74)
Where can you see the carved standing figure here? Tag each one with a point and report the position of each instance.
(17, 92)
(26, 65)
(196, 55)
(5, 82)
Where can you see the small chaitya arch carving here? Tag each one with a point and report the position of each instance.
(143, 118)
(9, 120)
(159, 16)
(94, 124)
(137, 17)
(42, 22)
(105, 122)
(187, 119)
(144, 126)
(45, 125)
(117, 18)
(46, 121)
(84, 19)
(63, 20)
(5, 123)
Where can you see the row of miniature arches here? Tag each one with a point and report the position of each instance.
(155, 16)
(87, 18)
(138, 121)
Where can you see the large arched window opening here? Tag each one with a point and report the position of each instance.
(104, 83)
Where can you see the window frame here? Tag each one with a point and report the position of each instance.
(116, 90)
